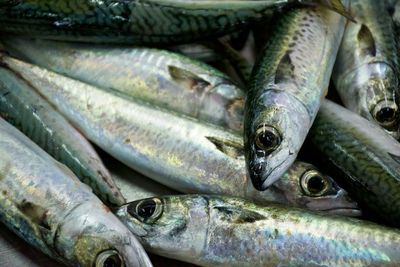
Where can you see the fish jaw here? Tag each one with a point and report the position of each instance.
(337, 204)
(287, 118)
(91, 231)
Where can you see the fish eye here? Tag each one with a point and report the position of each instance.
(147, 210)
(386, 113)
(267, 138)
(109, 258)
(314, 184)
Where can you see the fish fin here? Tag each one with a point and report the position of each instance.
(230, 148)
(188, 79)
(334, 5)
(367, 41)
(285, 70)
(239, 215)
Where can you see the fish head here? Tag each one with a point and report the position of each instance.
(303, 185)
(93, 236)
(272, 140)
(172, 226)
(378, 89)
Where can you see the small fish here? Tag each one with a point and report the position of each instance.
(139, 22)
(174, 81)
(176, 151)
(46, 205)
(303, 185)
(368, 157)
(21, 106)
(223, 231)
(366, 73)
(290, 79)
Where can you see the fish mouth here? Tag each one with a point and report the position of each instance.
(348, 212)
(260, 177)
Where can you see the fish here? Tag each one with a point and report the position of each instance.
(24, 108)
(44, 203)
(197, 51)
(135, 186)
(140, 22)
(15, 252)
(366, 73)
(225, 231)
(289, 80)
(303, 186)
(179, 152)
(174, 81)
(366, 155)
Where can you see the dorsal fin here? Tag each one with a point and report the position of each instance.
(366, 42)
(285, 70)
(230, 148)
(238, 215)
(188, 79)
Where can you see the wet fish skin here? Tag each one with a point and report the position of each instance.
(15, 252)
(366, 72)
(34, 116)
(288, 82)
(174, 81)
(178, 152)
(47, 206)
(368, 156)
(139, 22)
(223, 231)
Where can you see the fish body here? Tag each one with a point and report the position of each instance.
(288, 82)
(366, 72)
(363, 151)
(15, 252)
(223, 231)
(139, 22)
(174, 81)
(34, 116)
(47, 206)
(181, 153)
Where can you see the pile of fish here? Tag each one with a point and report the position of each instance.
(200, 131)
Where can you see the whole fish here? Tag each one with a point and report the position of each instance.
(21, 106)
(174, 81)
(223, 231)
(140, 22)
(366, 73)
(181, 153)
(288, 82)
(363, 151)
(46, 205)
(302, 186)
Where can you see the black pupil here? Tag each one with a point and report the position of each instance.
(385, 115)
(112, 262)
(146, 208)
(316, 184)
(267, 139)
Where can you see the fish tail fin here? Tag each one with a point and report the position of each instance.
(335, 5)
